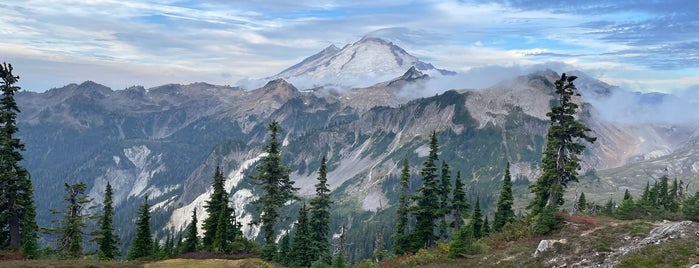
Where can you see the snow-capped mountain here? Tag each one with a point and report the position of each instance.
(366, 62)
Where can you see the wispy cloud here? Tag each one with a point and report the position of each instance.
(122, 43)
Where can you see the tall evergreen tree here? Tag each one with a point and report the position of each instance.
(18, 228)
(320, 215)
(503, 212)
(582, 202)
(427, 208)
(106, 239)
(445, 202)
(486, 226)
(477, 219)
(142, 244)
(71, 230)
(460, 204)
(302, 248)
(627, 207)
(191, 239)
(277, 188)
(219, 229)
(402, 211)
(561, 160)
(284, 255)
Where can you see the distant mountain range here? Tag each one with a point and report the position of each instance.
(165, 142)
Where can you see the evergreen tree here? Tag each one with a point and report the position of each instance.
(582, 203)
(284, 256)
(191, 240)
(445, 206)
(339, 260)
(562, 154)
(486, 226)
(18, 228)
(673, 197)
(106, 239)
(142, 244)
(464, 243)
(71, 230)
(663, 193)
(608, 209)
(503, 212)
(427, 207)
(627, 207)
(320, 215)
(402, 211)
(277, 189)
(460, 205)
(302, 250)
(219, 230)
(690, 208)
(168, 248)
(477, 220)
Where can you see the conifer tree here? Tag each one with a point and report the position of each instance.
(582, 203)
(460, 204)
(402, 211)
(486, 226)
(277, 189)
(561, 160)
(18, 228)
(445, 206)
(218, 226)
(627, 207)
(320, 215)
(503, 212)
(673, 197)
(168, 249)
(71, 230)
(284, 250)
(427, 198)
(690, 207)
(663, 193)
(477, 219)
(191, 240)
(106, 239)
(142, 244)
(302, 249)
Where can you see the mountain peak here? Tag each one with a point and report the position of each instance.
(364, 63)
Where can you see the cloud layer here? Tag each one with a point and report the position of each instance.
(649, 46)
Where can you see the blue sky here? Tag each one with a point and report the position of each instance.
(640, 45)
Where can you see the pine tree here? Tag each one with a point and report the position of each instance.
(168, 249)
(627, 207)
(582, 203)
(71, 230)
(18, 228)
(477, 219)
(673, 197)
(561, 160)
(486, 226)
(608, 209)
(106, 239)
(503, 212)
(142, 244)
(463, 243)
(191, 240)
(277, 189)
(460, 205)
(302, 249)
(663, 193)
(690, 207)
(445, 207)
(320, 215)
(427, 208)
(284, 254)
(402, 211)
(218, 226)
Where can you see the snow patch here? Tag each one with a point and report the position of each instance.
(234, 177)
(423, 151)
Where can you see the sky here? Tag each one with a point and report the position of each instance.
(647, 46)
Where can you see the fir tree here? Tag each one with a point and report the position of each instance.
(486, 226)
(503, 212)
(673, 197)
(663, 193)
(106, 239)
(402, 211)
(690, 207)
(71, 231)
(627, 207)
(460, 205)
(284, 250)
(582, 203)
(191, 240)
(219, 229)
(320, 215)
(18, 228)
(277, 189)
(561, 160)
(445, 207)
(464, 243)
(302, 249)
(608, 209)
(477, 219)
(142, 244)
(427, 208)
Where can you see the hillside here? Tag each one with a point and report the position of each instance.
(582, 242)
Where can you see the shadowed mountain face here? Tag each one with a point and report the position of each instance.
(165, 142)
